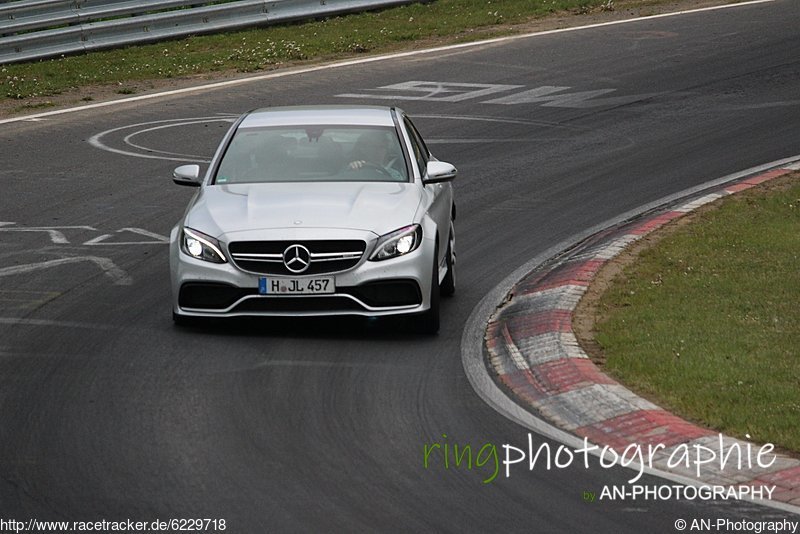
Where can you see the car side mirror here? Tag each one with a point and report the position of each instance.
(187, 175)
(438, 172)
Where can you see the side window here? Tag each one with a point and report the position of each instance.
(421, 153)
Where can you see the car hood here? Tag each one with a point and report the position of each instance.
(376, 207)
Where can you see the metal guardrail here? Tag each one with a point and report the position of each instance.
(51, 28)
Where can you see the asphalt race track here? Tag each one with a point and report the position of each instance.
(108, 411)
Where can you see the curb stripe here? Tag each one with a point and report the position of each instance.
(554, 376)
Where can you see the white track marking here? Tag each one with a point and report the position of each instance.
(158, 239)
(96, 140)
(363, 61)
(56, 236)
(109, 268)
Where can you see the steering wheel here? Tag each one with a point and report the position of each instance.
(366, 165)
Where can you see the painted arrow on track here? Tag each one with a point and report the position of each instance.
(109, 268)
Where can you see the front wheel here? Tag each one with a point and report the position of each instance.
(448, 287)
(428, 322)
(183, 320)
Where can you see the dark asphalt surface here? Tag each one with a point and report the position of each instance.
(108, 411)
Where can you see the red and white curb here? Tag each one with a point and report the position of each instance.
(531, 347)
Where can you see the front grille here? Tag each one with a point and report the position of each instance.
(266, 257)
(298, 304)
(214, 296)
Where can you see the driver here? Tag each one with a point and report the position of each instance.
(371, 150)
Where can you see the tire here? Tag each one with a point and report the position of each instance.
(428, 322)
(448, 287)
(182, 320)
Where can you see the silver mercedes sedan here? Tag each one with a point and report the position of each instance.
(309, 211)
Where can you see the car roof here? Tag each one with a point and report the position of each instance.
(304, 115)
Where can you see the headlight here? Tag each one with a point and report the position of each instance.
(398, 243)
(201, 246)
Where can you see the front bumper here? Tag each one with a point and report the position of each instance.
(396, 286)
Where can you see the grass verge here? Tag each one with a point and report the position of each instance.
(706, 321)
(122, 71)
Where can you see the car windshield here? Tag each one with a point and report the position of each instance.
(314, 153)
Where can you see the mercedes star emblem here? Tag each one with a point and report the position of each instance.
(297, 258)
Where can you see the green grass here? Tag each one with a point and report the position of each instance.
(708, 321)
(271, 47)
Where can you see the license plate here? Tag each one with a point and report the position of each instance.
(296, 286)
